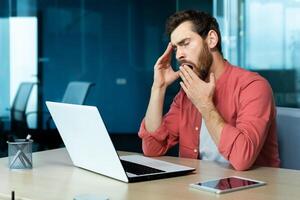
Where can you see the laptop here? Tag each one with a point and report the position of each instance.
(90, 147)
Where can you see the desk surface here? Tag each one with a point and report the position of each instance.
(54, 178)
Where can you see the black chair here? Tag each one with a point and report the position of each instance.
(75, 93)
(18, 115)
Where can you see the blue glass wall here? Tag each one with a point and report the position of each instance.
(111, 43)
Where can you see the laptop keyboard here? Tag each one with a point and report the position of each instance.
(138, 169)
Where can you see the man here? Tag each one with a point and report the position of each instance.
(222, 112)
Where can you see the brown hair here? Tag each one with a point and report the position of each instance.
(202, 23)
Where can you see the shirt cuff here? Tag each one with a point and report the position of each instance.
(160, 134)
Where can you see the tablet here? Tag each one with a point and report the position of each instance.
(228, 184)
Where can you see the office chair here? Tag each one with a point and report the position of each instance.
(18, 115)
(75, 93)
(288, 130)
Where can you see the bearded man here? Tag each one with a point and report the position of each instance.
(221, 113)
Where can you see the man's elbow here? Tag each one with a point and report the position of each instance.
(241, 165)
(152, 152)
(148, 153)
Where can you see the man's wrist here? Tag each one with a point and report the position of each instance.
(207, 109)
(211, 114)
(158, 93)
(155, 88)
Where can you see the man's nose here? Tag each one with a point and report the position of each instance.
(180, 54)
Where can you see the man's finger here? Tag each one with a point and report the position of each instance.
(185, 73)
(166, 56)
(191, 73)
(184, 79)
(184, 87)
(168, 50)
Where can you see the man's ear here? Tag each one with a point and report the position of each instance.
(212, 39)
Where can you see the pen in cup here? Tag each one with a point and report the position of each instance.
(20, 154)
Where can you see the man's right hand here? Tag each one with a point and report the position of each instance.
(164, 75)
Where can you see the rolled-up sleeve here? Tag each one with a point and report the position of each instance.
(241, 143)
(157, 143)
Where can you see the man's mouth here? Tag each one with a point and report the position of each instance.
(190, 65)
(193, 67)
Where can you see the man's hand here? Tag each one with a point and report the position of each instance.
(164, 75)
(201, 94)
(198, 91)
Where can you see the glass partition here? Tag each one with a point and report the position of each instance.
(112, 43)
(263, 36)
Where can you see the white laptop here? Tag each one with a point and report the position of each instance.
(90, 147)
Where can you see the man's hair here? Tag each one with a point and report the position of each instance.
(202, 23)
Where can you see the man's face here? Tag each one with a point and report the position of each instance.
(191, 49)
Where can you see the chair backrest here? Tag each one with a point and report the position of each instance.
(20, 102)
(76, 92)
(288, 130)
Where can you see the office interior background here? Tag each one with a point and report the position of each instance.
(114, 45)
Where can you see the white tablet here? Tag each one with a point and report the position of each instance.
(227, 184)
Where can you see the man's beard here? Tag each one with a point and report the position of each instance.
(205, 62)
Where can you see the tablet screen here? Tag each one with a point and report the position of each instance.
(228, 183)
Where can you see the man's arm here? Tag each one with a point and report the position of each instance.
(166, 135)
(157, 138)
(241, 143)
(153, 117)
(164, 75)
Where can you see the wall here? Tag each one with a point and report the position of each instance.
(113, 44)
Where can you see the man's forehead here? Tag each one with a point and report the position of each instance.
(181, 32)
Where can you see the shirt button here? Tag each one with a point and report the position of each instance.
(196, 128)
(195, 150)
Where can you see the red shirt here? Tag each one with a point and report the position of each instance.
(245, 101)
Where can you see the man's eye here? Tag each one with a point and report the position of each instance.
(186, 43)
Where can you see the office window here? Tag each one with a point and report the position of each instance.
(266, 35)
(23, 59)
(272, 46)
(4, 66)
(18, 57)
(226, 12)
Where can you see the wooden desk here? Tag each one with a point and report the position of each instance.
(54, 178)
